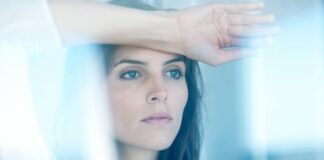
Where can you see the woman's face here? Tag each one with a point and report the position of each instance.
(148, 93)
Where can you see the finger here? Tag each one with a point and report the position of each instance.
(252, 31)
(240, 19)
(243, 7)
(255, 42)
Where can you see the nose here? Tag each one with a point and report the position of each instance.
(158, 93)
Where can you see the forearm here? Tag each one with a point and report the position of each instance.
(81, 21)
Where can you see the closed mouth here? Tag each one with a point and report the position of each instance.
(158, 118)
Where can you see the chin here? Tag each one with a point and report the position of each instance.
(153, 140)
(157, 145)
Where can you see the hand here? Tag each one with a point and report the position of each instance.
(220, 33)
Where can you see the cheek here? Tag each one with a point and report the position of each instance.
(121, 103)
(178, 99)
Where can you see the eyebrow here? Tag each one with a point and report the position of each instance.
(132, 61)
(177, 59)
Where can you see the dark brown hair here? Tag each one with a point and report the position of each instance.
(187, 143)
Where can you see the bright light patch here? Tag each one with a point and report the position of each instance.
(20, 136)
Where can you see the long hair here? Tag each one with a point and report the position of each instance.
(187, 143)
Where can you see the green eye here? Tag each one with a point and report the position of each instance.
(174, 73)
(130, 75)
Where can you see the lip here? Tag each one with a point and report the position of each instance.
(157, 118)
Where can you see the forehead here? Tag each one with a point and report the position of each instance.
(142, 54)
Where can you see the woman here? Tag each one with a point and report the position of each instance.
(155, 101)
(160, 118)
(175, 32)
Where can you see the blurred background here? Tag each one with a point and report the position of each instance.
(267, 107)
(271, 106)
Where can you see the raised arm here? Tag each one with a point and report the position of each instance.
(207, 33)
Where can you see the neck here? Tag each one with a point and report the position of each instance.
(129, 152)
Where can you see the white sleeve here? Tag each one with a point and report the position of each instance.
(34, 88)
(29, 43)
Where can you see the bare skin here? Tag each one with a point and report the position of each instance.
(211, 33)
(146, 83)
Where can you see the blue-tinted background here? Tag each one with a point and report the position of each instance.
(269, 107)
